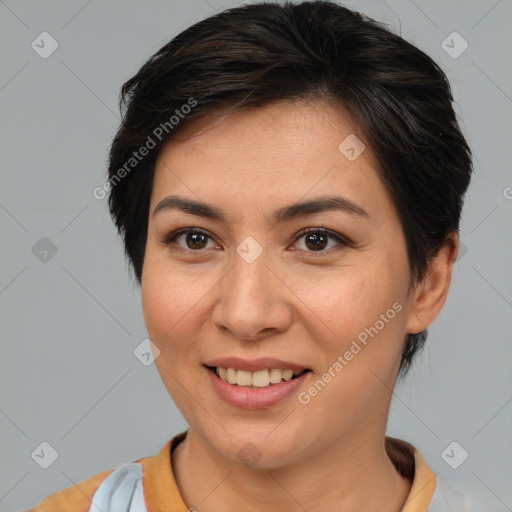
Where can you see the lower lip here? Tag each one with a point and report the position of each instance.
(255, 398)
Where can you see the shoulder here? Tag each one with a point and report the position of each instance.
(430, 493)
(452, 496)
(115, 489)
(146, 483)
(74, 498)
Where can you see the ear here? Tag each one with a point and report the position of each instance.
(430, 294)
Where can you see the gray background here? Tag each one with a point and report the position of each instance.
(71, 322)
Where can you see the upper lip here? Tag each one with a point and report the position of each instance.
(254, 365)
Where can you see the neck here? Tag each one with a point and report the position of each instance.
(338, 478)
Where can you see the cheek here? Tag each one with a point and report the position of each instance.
(172, 321)
(170, 292)
(170, 306)
(359, 325)
(347, 305)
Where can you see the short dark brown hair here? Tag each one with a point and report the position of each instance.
(256, 54)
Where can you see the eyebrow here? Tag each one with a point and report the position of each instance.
(317, 205)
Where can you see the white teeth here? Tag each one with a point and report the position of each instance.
(276, 376)
(231, 375)
(259, 379)
(243, 378)
(287, 374)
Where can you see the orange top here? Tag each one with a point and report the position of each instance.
(153, 480)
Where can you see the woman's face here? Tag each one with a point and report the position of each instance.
(252, 285)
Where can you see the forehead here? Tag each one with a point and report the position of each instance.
(285, 128)
(277, 153)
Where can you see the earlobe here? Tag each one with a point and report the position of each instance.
(430, 294)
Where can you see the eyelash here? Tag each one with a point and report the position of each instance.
(342, 241)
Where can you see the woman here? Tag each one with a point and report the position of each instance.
(288, 182)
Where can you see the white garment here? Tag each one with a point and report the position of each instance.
(121, 491)
(451, 497)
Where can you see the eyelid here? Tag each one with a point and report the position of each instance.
(175, 234)
(343, 241)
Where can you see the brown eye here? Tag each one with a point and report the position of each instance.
(196, 240)
(320, 240)
(316, 241)
(191, 240)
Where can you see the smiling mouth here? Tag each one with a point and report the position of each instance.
(259, 379)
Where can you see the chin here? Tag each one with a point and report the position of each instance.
(253, 447)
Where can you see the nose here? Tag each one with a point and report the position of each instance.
(253, 303)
